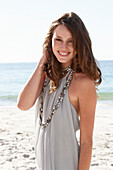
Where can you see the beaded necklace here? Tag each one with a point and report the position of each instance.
(59, 100)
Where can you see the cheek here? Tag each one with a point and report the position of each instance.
(54, 46)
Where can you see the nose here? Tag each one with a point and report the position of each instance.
(64, 45)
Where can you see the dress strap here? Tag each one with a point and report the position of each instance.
(67, 74)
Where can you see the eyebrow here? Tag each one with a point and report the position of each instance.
(61, 37)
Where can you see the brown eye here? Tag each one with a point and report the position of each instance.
(57, 39)
(70, 41)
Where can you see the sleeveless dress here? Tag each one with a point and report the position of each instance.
(56, 146)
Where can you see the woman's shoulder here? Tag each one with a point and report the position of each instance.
(81, 77)
(82, 81)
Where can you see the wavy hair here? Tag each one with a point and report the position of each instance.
(83, 61)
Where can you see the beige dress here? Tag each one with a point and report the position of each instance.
(56, 146)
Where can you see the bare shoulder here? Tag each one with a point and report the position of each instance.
(81, 90)
(81, 77)
(83, 82)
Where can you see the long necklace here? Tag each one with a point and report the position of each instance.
(59, 100)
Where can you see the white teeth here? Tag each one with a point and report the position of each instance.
(63, 53)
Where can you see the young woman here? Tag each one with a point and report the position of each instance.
(64, 83)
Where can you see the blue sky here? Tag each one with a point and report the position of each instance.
(24, 24)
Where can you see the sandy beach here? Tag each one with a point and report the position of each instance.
(17, 137)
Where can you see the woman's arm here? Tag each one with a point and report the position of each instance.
(87, 105)
(33, 88)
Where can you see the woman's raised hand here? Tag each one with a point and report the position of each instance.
(43, 60)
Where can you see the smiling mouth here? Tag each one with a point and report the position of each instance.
(63, 53)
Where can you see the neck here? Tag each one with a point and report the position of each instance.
(65, 65)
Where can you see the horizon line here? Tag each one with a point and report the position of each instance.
(8, 62)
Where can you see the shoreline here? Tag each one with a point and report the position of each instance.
(18, 138)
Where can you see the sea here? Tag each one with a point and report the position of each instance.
(13, 77)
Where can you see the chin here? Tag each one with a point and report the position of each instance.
(62, 61)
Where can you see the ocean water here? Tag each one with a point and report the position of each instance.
(13, 77)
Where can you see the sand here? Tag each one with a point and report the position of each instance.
(17, 138)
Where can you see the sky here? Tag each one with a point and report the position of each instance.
(25, 23)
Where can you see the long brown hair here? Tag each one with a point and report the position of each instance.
(83, 61)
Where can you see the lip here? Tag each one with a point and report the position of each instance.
(63, 53)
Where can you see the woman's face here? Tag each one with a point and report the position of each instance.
(62, 45)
